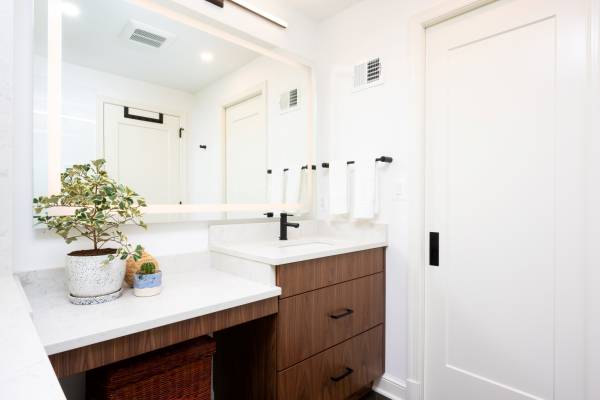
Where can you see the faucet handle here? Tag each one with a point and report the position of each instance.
(269, 214)
(286, 215)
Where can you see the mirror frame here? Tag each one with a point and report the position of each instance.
(55, 104)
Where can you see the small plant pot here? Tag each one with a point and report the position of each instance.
(88, 276)
(145, 285)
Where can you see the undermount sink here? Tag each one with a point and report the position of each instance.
(305, 245)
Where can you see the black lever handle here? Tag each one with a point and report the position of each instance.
(345, 313)
(269, 214)
(338, 378)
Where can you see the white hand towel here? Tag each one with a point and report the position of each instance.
(338, 188)
(292, 185)
(275, 182)
(364, 189)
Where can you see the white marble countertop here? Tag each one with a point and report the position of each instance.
(191, 288)
(25, 371)
(314, 239)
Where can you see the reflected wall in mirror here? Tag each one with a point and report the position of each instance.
(181, 116)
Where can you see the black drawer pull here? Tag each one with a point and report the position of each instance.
(342, 376)
(345, 313)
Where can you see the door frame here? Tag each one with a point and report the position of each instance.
(254, 91)
(417, 255)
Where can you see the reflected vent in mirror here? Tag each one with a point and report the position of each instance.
(368, 74)
(146, 35)
(289, 100)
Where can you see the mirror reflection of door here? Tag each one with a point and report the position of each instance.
(246, 154)
(143, 151)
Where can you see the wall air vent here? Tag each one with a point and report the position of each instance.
(368, 74)
(146, 35)
(289, 100)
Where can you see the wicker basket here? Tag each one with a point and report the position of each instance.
(178, 372)
(134, 266)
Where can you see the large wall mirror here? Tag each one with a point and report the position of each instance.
(202, 125)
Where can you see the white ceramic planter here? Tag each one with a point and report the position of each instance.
(88, 277)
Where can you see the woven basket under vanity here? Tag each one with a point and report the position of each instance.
(134, 266)
(181, 371)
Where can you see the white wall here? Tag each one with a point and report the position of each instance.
(593, 222)
(6, 142)
(34, 249)
(286, 133)
(373, 122)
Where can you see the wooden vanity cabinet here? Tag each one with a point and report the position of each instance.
(330, 326)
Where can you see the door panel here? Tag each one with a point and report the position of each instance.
(493, 192)
(144, 155)
(246, 154)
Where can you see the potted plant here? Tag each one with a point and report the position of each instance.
(147, 281)
(100, 207)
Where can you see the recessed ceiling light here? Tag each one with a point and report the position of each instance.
(206, 56)
(70, 9)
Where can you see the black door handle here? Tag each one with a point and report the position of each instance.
(338, 378)
(345, 313)
(434, 249)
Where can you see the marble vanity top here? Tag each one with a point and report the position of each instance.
(25, 371)
(191, 288)
(314, 239)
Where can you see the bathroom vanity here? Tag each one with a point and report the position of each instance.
(296, 319)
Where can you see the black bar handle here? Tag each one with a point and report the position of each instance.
(269, 214)
(159, 120)
(338, 378)
(434, 249)
(345, 313)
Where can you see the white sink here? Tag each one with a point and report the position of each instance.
(304, 245)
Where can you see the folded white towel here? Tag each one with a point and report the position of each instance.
(275, 182)
(364, 188)
(338, 188)
(292, 185)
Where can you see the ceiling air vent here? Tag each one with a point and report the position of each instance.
(146, 35)
(289, 100)
(368, 74)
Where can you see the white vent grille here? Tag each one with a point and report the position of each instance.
(289, 100)
(140, 34)
(149, 38)
(368, 74)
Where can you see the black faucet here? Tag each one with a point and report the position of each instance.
(283, 225)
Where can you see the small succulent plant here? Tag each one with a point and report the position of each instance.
(147, 268)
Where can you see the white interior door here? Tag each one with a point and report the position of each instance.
(504, 191)
(246, 154)
(144, 154)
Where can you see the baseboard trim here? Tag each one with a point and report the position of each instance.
(391, 387)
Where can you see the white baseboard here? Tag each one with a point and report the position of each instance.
(390, 387)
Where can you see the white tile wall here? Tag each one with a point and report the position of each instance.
(6, 98)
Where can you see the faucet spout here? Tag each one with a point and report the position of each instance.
(284, 224)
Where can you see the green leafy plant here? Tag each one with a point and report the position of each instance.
(147, 268)
(101, 206)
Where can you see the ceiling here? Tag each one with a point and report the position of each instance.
(95, 39)
(320, 9)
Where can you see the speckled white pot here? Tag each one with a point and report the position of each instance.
(87, 277)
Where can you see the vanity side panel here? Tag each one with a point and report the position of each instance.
(304, 276)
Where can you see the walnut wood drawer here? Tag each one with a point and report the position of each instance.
(311, 322)
(337, 373)
(303, 276)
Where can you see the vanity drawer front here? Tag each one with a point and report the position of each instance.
(311, 322)
(337, 373)
(309, 275)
